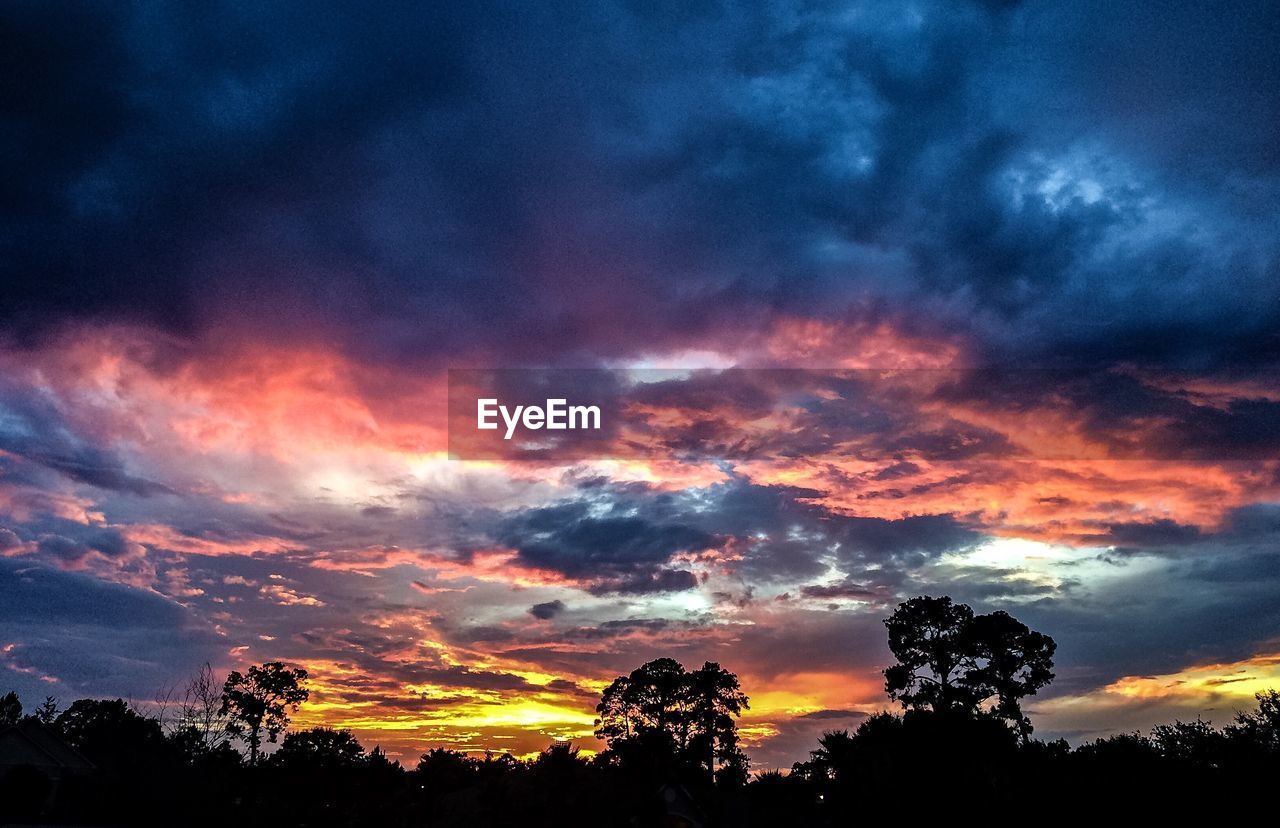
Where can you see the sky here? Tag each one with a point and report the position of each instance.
(967, 298)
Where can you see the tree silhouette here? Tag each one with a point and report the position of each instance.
(950, 660)
(1262, 727)
(441, 770)
(557, 758)
(200, 717)
(652, 698)
(107, 730)
(46, 711)
(646, 707)
(715, 698)
(666, 717)
(1195, 742)
(929, 638)
(831, 760)
(134, 761)
(1012, 662)
(259, 701)
(10, 709)
(319, 748)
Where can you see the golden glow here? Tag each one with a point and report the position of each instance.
(1238, 680)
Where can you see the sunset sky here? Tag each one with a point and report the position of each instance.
(1020, 261)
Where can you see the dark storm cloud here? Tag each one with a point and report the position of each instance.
(143, 130)
(1152, 533)
(36, 594)
(1257, 522)
(565, 686)
(71, 552)
(623, 537)
(411, 175)
(839, 591)
(794, 534)
(622, 626)
(92, 637)
(68, 544)
(617, 553)
(1253, 528)
(547, 610)
(662, 580)
(460, 676)
(904, 539)
(1169, 78)
(32, 428)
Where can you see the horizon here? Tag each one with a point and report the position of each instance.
(875, 301)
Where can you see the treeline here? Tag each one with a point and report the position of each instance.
(147, 771)
(201, 755)
(912, 764)
(961, 745)
(930, 762)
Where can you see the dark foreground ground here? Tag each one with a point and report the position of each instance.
(891, 769)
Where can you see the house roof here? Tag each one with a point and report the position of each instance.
(31, 743)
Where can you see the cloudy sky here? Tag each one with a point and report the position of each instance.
(243, 245)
